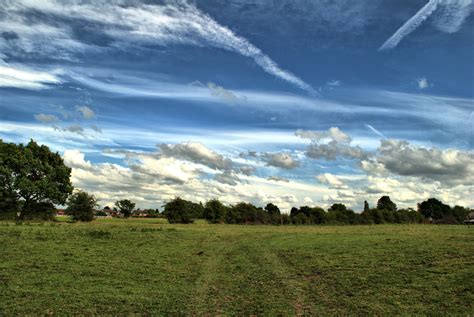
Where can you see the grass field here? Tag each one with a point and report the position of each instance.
(149, 267)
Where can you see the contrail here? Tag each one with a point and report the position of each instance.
(411, 25)
(374, 130)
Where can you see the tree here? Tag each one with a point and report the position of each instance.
(376, 216)
(433, 208)
(178, 210)
(294, 211)
(460, 213)
(339, 213)
(30, 175)
(125, 206)
(366, 206)
(81, 205)
(408, 216)
(274, 214)
(300, 219)
(385, 203)
(197, 210)
(272, 209)
(317, 215)
(247, 213)
(337, 207)
(215, 211)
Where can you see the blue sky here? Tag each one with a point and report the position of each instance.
(294, 102)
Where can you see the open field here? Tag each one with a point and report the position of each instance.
(146, 266)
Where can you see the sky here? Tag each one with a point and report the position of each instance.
(294, 102)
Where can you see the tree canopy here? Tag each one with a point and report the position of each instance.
(125, 206)
(179, 210)
(385, 203)
(215, 211)
(80, 206)
(433, 208)
(32, 175)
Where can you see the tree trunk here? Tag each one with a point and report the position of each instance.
(19, 217)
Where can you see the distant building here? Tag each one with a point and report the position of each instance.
(469, 218)
(140, 213)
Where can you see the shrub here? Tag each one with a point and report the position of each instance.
(81, 206)
(215, 211)
(179, 211)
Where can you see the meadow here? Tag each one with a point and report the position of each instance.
(149, 267)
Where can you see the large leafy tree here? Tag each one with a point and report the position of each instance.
(433, 208)
(272, 209)
(125, 206)
(317, 215)
(81, 205)
(215, 211)
(179, 210)
(385, 203)
(339, 213)
(274, 213)
(248, 213)
(31, 175)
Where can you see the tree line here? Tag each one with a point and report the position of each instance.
(179, 210)
(33, 180)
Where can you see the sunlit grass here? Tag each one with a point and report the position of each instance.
(124, 266)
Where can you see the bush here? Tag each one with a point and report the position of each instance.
(81, 206)
(215, 211)
(126, 207)
(40, 211)
(300, 219)
(446, 220)
(179, 211)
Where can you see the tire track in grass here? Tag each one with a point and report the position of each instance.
(244, 276)
(293, 285)
(206, 286)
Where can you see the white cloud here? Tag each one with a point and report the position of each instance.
(278, 179)
(150, 181)
(74, 129)
(166, 168)
(96, 128)
(227, 178)
(196, 152)
(17, 76)
(181, 23)
(334, 83)
(330, 179)
(450, 16)
(308, 200)
(222, 93)
(401, 158)
(338, 146)
(282, 160)
(76, 159)
(46, 118)
(422, 83)
(86, 112)
(334, 134)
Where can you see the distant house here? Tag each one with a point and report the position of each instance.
(470, 218)
(60, 212)
(104, 213)
(140, 213)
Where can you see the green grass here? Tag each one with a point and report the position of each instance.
(144, 266)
